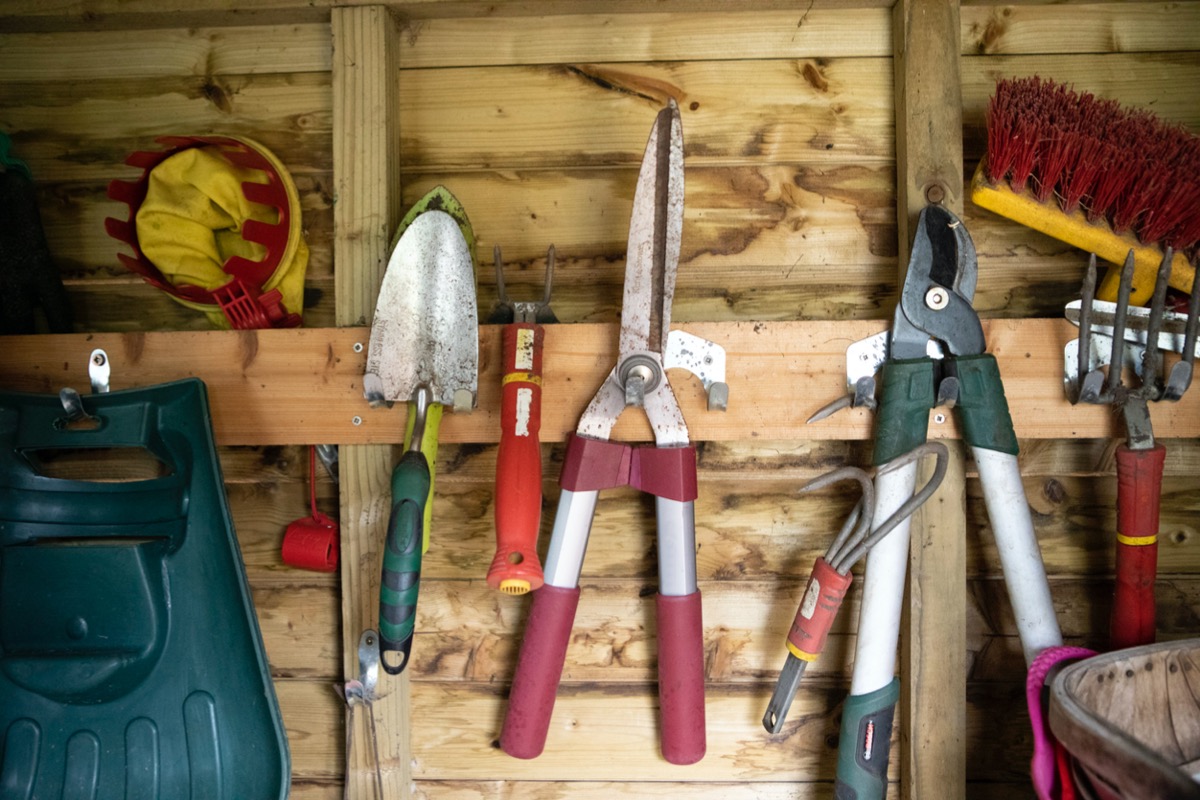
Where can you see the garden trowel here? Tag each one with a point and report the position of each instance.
(424, 351)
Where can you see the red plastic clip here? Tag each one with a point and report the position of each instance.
(246, 309)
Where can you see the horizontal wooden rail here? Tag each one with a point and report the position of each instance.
(305, 386)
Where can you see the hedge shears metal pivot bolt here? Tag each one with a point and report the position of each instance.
(1121, 337)
(933, 356)
(666, 470)
(831, 578)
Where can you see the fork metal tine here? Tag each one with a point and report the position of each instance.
(1181, 373)
(1118, 350)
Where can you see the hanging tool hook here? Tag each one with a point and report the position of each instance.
(99, 371)
(361, 692)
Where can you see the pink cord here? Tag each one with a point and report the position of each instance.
(1043, 766)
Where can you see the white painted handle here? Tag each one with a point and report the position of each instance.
(1020, 557)
(883, 587)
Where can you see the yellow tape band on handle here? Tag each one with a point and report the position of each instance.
(1137, 541)
(521, 377)
(800, 654)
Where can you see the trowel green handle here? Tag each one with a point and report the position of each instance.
(407, 539)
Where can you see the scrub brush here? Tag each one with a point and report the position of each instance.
(1090, 173)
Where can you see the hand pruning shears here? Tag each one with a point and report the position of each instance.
(666, 469)
(933, 355)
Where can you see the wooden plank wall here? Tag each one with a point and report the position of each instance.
(538, 124)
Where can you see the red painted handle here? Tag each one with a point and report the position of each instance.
(1139, 489)
(539, 669)
(515, 568)
(681, 677)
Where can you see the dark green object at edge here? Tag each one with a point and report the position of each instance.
(862, 769)
(131, 664)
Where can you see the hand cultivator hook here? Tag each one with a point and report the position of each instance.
(831, 577)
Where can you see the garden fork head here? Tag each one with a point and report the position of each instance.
(1106, 332)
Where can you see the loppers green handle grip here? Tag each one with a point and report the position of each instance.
(864, 744)
(902, 421)
(982, 405)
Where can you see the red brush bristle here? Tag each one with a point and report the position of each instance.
(1083, 167)
(1123, 166)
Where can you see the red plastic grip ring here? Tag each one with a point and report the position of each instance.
(681, 677)
(539, 669)
(822, 598)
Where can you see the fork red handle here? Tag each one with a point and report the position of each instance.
(515, 568)
(1139, 490)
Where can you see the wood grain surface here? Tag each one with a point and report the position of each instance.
(535, 113)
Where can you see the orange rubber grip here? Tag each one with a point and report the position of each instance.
(1139, 490)
(515, 568)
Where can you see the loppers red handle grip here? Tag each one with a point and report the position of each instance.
(539, 669)
(1139, 490)
(515, 568)
(681, 677)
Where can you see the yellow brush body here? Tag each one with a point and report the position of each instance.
(1075, 230)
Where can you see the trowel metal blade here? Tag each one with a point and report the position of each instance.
(426, 327)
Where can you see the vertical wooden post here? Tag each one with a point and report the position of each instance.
(366, 174)
(929, 169)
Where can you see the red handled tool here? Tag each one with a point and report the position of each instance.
(831, 577)
(666, 470)
(1115, 334)
(515, 568)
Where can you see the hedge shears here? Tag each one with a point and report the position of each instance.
(666, 469)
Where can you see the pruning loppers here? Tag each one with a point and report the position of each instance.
(515, 568)
(933, 355)
(666, 470)
(1119, 336)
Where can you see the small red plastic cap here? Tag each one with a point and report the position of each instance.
(312, 543)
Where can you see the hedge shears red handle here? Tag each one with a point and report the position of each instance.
(667, 470)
